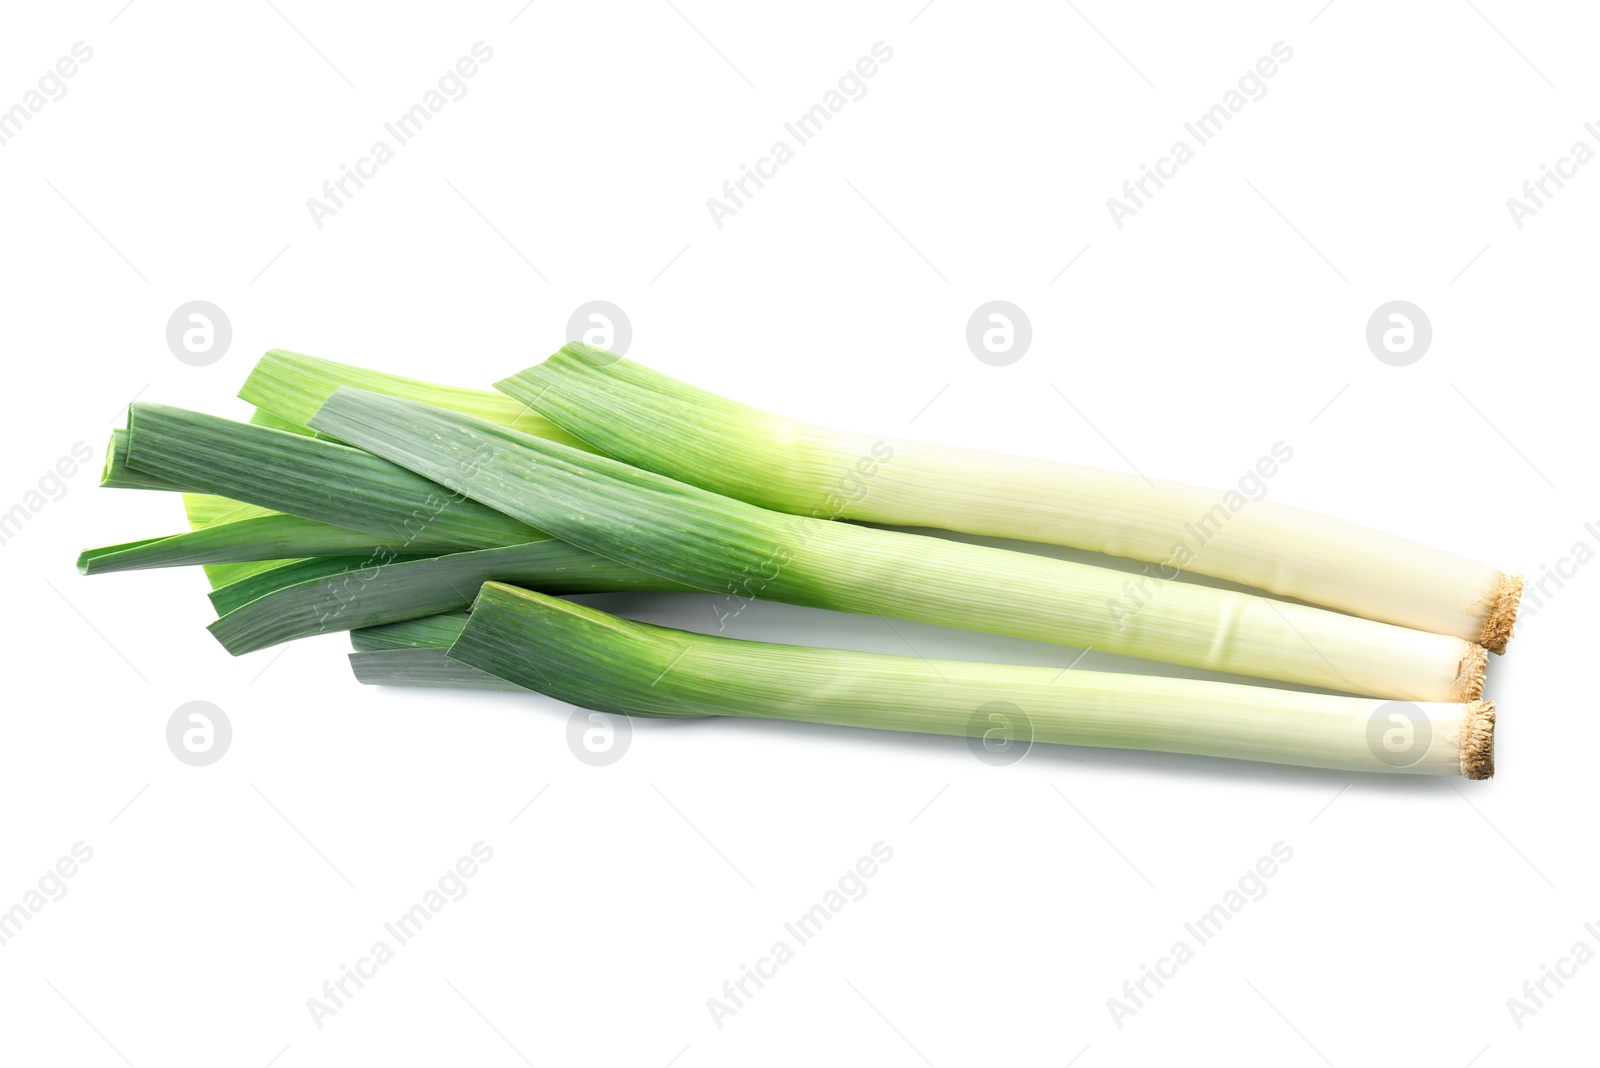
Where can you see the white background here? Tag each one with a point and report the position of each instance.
(1227, 315)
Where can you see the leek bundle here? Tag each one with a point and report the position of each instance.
(364, 501)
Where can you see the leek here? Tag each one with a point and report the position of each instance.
(715, 543)
(594, 660)
(653, 421)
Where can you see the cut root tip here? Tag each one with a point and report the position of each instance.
(1502, 614)
(1477, 741)
(1469, 675)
